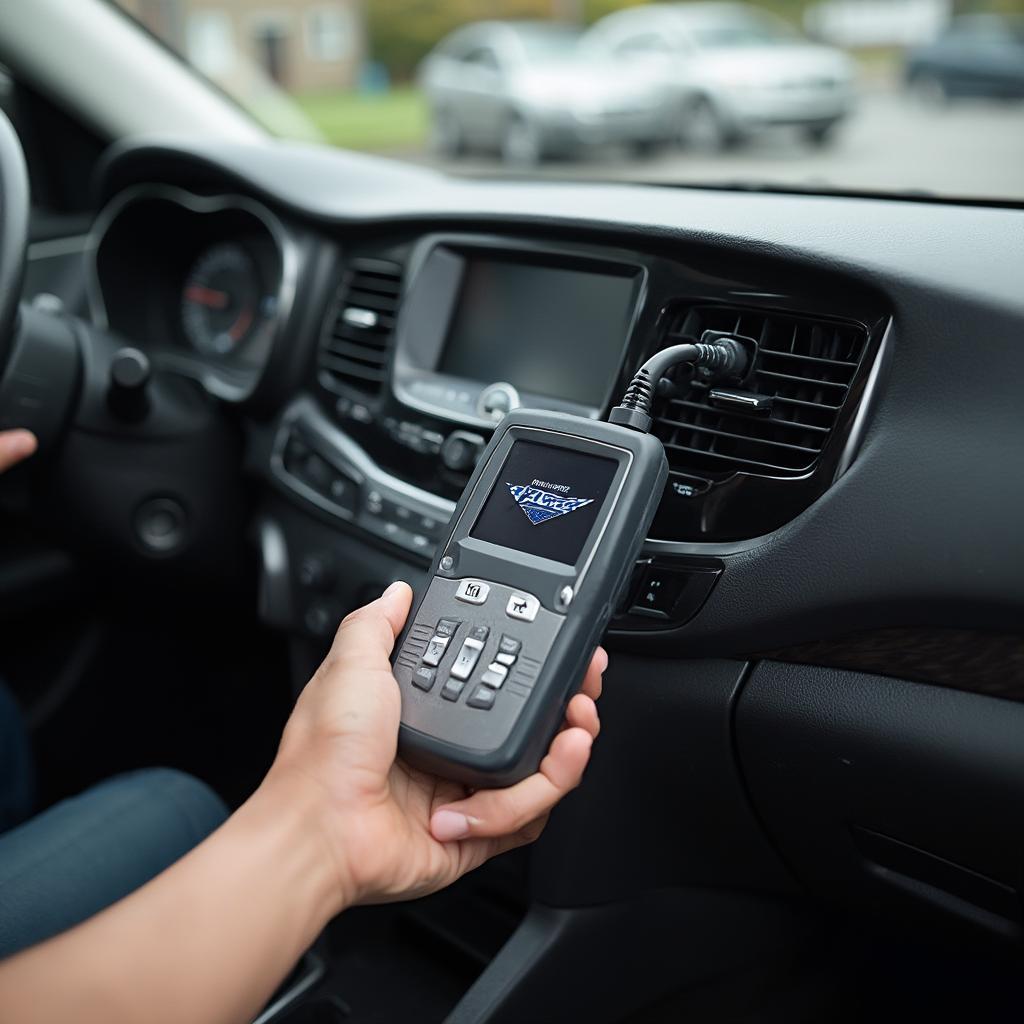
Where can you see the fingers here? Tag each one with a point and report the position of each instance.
(582, 714)
(366, 637)
(500, 812)
(592, 680)
(15, 445)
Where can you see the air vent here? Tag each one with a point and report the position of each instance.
(357, 340)
(804, 368)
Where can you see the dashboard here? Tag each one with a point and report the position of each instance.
(831, 593)
(372, 322)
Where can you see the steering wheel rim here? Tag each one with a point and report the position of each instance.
(14, 214)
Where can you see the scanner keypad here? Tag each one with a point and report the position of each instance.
(461, 670)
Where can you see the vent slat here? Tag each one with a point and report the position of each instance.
(810, 359)
(794, 379)
(805, 365)
(355, 349)
(718, 432)
(727, 458)
(748, 418)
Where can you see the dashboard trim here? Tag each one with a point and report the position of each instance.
(287, 248)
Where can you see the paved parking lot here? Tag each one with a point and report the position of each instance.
(973, 149)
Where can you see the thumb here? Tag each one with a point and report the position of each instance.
(366, 637)
(15, 445)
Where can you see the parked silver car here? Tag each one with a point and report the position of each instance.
(735, 69)
(527, 90)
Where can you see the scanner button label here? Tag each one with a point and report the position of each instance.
(523, 607)
(472, 592)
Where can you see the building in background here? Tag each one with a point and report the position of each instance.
(302, 45)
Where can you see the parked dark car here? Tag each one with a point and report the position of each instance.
(979, 55)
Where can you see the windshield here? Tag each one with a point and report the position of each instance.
(810, 95)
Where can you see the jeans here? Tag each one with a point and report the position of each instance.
(89, 851)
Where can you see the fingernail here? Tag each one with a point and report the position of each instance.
(449, 825)
(393, 589)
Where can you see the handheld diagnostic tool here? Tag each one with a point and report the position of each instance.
(541, 547)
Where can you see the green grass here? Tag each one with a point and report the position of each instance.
(392, 120)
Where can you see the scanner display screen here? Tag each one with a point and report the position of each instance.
(546, 501)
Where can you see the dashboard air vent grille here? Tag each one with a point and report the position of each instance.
(357, 340)
(804, 365)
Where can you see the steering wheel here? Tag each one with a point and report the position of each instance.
(134, 464)
(14, 211)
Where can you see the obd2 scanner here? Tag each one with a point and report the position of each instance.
(541, 547)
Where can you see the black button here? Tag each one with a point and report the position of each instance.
(453, 689)
(670, 593)
(447, 627)
(483, 698)
(480, 633)
(509, 645)
(423, 678)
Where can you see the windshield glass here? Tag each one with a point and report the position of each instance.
(921, 97)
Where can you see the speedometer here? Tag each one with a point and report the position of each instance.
(225, 302)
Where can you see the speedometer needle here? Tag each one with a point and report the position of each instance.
(207, 296)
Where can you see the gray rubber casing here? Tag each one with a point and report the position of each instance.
(500, 746)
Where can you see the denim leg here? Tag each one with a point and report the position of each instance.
(16, 774)
(89, 851)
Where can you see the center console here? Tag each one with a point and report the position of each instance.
(429, 342)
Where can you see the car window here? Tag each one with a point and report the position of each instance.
(645, 44)
(483, 57)
(804, 95)
(738, 32)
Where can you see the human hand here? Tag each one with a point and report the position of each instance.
(395, 832)
(15, 445)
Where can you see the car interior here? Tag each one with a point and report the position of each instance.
(807, 799)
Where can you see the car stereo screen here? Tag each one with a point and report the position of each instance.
(546, 501)
(546, 330)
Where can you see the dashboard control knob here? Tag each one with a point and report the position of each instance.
(461, 450)
(318, 572)
(497, 399)
(130, 371)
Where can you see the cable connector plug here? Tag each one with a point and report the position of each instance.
(715, 357)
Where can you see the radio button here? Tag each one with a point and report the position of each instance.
(435, 650)
(473, 592)
(523, 607)
(483, 698)
(467, 659)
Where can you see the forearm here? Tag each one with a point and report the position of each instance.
(206, 941)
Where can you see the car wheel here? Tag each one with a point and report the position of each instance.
(521, 142)
(704, 128)
(928, 90)
(447, 138)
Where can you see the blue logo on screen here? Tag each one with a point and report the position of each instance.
(540, 505)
